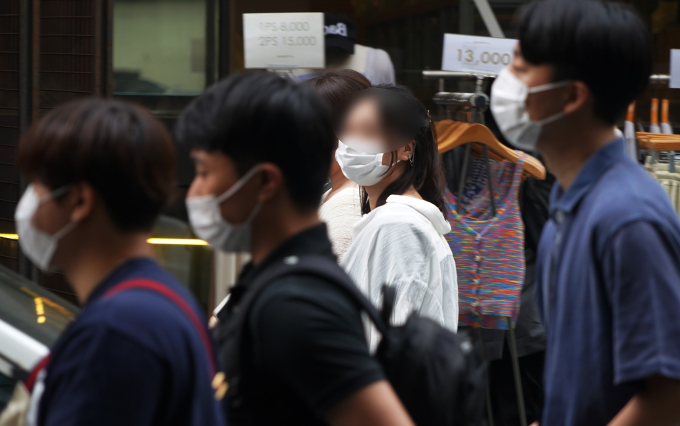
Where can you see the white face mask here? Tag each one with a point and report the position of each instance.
(361, 163)
(508, 106)
(37, 245)
(207, 222)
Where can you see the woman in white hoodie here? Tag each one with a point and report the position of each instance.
(388, 146)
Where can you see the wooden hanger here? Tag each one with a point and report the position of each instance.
(631, 112)
(452, 134)
(658, 141)
(654, 113)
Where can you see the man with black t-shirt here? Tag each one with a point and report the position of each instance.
(262, 147)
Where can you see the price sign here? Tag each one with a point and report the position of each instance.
(477, 54)
(675, 69)
(283, 40)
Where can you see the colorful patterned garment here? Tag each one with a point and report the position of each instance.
(489, 251)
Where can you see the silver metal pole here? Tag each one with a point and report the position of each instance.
(489, 18)
(515, 369)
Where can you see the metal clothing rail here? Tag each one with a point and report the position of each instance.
(479, 102)
(459, 75)
(475, 100)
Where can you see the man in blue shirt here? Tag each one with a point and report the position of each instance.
(100, 171)
(609, 258)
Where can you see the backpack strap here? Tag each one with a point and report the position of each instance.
(33, 375)
(330, 271)
(389, 294)
(147, 284)
(231, 335)
(170, 295)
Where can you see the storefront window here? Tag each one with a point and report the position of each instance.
(159, 46)
(160, 61)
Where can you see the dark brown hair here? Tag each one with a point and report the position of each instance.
(120, 149)
(405, 118)
(334, 86)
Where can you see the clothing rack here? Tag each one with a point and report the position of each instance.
(475, 100)
(479, 102)
(458, 75)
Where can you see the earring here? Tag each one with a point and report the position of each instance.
(411, 159)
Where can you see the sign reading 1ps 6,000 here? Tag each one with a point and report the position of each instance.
(476, 54)
(283, 40)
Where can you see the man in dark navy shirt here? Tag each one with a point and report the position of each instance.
(100, 173)
(262, 147)
(609, 258)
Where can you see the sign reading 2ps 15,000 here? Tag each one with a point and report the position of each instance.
(477, 54)
(283, 40)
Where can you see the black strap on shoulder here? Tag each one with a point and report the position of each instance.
(232, 334)
(389, 294)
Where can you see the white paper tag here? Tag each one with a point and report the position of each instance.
(675, 69)
(283, 40)
(476, 54)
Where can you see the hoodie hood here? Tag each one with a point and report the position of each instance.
(427, 209)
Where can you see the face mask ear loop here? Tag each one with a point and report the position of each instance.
(254, 213)
(238, 185)
(551, 119)
(56, 193)
(549, 86)
(65, 230)
(52, 196)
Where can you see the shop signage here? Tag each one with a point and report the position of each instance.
(283, 40)
(476, 54)
(675, 69)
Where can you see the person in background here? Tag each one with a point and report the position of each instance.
(340, 207)
(262, 147)
(608, 268)
(343, 52)
(99, 173)
(388, 146)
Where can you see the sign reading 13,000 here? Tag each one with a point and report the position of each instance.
(476, 54)
(283, 40)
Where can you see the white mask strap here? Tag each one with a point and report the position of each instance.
(65, 230)
(238, 185)
(549, 86)
(551, 119)
(55, 194)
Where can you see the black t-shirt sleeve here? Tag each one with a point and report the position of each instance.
(311, 336)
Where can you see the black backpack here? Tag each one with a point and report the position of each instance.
(437, 374)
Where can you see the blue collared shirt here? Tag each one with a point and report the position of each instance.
(609, 289)
(132, 359)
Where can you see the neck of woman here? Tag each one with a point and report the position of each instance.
(374, 191)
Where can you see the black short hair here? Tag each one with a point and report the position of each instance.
(603, 44)
(261, 117)
(125, 153)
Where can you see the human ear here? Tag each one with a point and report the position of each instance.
(577, 96)
(83, 199)
(407, 151)
(271, 181)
